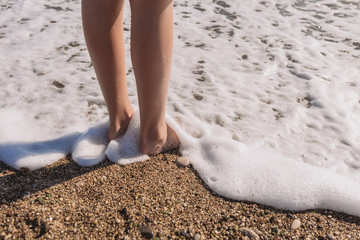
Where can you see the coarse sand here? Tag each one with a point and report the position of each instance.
(154, 199)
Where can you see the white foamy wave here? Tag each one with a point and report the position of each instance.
(264, 96)
(237, 171)
(90, 147)
(34, 155)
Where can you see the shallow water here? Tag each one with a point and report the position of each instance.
(266, 94)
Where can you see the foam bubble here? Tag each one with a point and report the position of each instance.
(125, 149)
(90, 147)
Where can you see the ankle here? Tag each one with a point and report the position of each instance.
(152, 138)
(124, 114)
(153, 131)
(119, 123)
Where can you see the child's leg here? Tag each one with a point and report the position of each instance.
(103, 29)
(151, 50)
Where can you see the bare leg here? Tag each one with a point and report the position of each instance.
(151, 50)
(103, 29)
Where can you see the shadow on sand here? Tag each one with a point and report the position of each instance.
(17, 184)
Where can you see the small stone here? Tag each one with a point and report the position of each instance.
(330, 236)
(182, 162)
(25, 170)
(58, 84)
(147, 219)
(191, 231)
(273, 219)
(117, 220)
(73, 44)
(45, 227)
(197, 236)
(198, 97)
(185, 234)
(249, 233)
(224, 218)
(10, 213)
(26, 194)
(67, 219)
(40, 201)
(80, 184)
(146, 232)
(321, 237)
(124, 213)
(275, 230)
(295, 224)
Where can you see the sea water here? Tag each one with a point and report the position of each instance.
(264, 95)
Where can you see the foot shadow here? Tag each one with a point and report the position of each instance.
(17, 184)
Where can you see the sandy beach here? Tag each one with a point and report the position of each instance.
(155, 199)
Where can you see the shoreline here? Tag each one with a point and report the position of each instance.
(109, 201)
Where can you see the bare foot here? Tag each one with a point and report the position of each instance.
(119, 125)
(160, 141)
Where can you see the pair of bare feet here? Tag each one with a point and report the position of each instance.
(153, 140)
